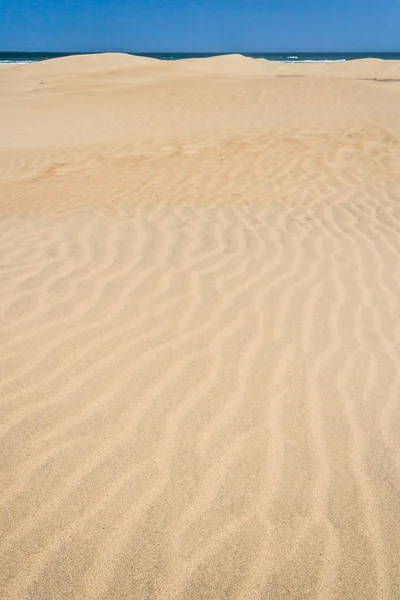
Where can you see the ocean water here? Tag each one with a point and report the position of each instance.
(29, 57)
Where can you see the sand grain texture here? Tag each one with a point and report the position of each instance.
(200, 302)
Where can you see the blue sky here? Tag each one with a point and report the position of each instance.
(200, 25)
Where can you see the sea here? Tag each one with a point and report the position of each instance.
(288, 57)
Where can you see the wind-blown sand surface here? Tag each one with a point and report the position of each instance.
(200, 300)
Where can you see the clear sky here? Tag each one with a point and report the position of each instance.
(200, 25)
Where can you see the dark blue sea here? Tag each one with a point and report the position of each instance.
(28, 57)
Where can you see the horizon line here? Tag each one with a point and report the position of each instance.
(199, 51)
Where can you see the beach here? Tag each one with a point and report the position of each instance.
(200, 329)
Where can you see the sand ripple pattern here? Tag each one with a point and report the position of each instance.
(200, 374)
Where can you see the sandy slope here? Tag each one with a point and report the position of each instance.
(200, 300)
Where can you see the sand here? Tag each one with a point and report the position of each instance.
(200, 330)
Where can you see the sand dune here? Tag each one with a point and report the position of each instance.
(200, 302)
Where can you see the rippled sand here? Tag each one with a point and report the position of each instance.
(199, 349)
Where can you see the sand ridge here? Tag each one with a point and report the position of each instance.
(199, 390)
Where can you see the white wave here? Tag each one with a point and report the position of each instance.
(332, 60)
(16, 62)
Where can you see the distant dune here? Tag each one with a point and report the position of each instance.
(199, 348)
